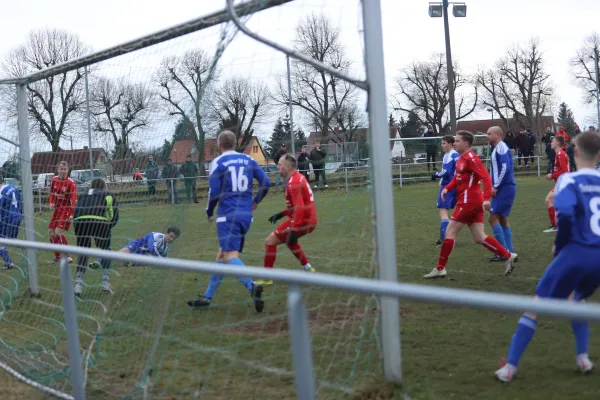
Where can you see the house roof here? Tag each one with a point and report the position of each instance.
(45, 162)
(182, 148)
(482, 125)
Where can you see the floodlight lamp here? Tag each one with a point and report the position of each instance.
(436, 10)
(459, 10)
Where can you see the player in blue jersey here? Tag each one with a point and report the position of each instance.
(574, 270)
(445, 176)
(504, 189)
(230, 186)
(10, 218)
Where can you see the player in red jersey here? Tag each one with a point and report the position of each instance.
(302, 215)
(561, 166)
(63, 196)
(470, 206)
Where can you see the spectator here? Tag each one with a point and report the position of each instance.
(510, 140)
(430, 147)
(304, 164)
(317, 158)
(170, 174)
(571, 151)
(189, 170)
(591, 128)
(151, 176)
(280, 153)
(532, 140)
(565, 135)
(523, 143)
(547, 140)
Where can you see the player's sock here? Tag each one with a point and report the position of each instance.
(213, 284)
(499, 234)
(5, 256)
(270, 256)
(55, 240)
(447, 247)
(64, 242)
(299, 253)
(520, 340)
(247, 282)
(492, 245)
(508, 239)
(581, 330)
(80, 274)
(443, 226)
(552, 215)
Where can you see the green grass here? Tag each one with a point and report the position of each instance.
(230, 352)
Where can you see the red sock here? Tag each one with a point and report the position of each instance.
(299, 253)
(495, 247)
(447, 247)
(552, 215)
(55, 240)
(64, 242)
(270, 255)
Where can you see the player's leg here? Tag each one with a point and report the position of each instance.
(480, 237)
(62, 226)
(297, 251)
(83, 239)
(443, 206)
(559, 281)
(454, 227)
(551, 212)
(9, 230)
(444, 221)
(103, 240)
(494, 221)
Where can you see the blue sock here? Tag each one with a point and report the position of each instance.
(521, 338)
(508, 239)
(443, 226)
(499, 234)
(247, 282)
(5, 256)
(581, 330)
(213, 284)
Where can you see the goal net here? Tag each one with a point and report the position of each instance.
(146, 123)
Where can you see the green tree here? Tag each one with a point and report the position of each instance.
(566, 119)
(411, 127)
(282, 134)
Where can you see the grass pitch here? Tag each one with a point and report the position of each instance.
(144, 338)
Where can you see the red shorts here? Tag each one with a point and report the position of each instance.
(468, 213)
(60, 219)
(282, 231)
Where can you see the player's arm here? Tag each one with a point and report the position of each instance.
(215, 183)
(565, 201)
(112, 209)
(500, 161)
(151, 244)
(264, 183)
(479, 170)
(70, 209)
(52, 199)
(451, 185)
(562, 165)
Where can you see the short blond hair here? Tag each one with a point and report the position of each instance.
(63, 163)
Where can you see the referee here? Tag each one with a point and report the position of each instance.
(96, 213)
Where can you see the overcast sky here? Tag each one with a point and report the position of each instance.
(409, 35)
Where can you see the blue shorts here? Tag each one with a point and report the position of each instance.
(137, 246)
(10, 229)
(450, 202)
(503, 202)
(575, 269)
(231, 232)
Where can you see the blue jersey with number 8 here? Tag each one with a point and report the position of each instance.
(577, 198)
(230, 184)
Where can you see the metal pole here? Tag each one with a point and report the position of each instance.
(597, 85)
(538, 167)
(301, 347)
(89, 122)
(381, 174)
(346, 173)
(27, 187)
(289, 79)
(72, 332)
(400, 171)
(450, 70)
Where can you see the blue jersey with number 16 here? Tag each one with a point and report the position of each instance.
(230, 184)
(577, 203)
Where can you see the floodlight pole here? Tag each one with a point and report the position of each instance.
(597, 85)
(449, 69)
(89, 122)
(289, 82)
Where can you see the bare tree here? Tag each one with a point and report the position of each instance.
(238, 105)
(317, 93)
(583, 68)
(423, 88)
(349, 121)
(52, 102)
(184, 83)
(121, 109)
(518, 84)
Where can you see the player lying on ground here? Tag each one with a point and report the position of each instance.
(96, 213)
(154, 244)
(230, 186)
(504, 189)
(574, 269)
(63, 196)
(470, 206)
(561, 166)
(445, 176)
(10, 218)
(300, 208)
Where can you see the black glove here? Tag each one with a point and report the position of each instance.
(434, 176)
(274, 218)
(292, 238)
